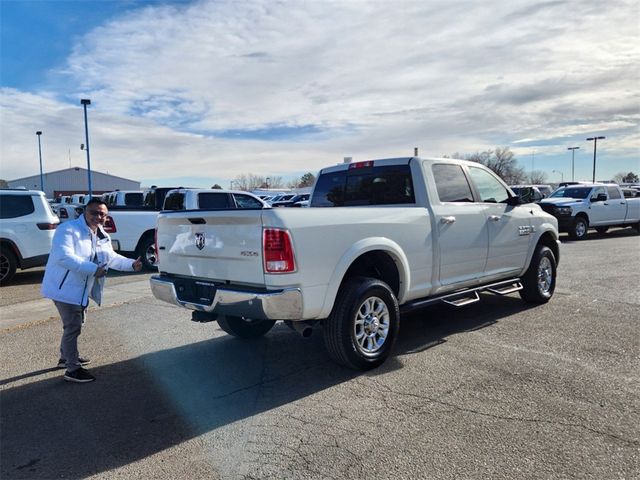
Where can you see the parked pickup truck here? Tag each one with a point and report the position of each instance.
(597, 205)
(132, 228)
(212, 199)
(381, 237)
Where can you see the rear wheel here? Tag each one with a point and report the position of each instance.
(539, 282)
(579, 228)
(8, 265)
(245, 327)
(363, 326)
(147, 252)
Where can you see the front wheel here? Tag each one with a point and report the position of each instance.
(245, 327)
(579, 228)
(539, 282)
(363, 326)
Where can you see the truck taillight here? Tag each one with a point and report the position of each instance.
(110, 225)
(277, 251)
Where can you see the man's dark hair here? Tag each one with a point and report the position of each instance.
(96, 201)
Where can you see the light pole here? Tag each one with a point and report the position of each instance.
(595, 145)
(38, 133)
(573, 153)
(85, 102)
(561, 175)
(268, 178)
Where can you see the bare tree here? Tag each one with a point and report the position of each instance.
(250, 181)
(503, 162)
(626, 178)
(537, 176)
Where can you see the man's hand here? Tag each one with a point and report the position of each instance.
(101, 271)
(137, 265)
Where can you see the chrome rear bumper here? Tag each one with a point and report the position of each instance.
(285, 304)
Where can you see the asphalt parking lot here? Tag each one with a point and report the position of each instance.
(498, 389)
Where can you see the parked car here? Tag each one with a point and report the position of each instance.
(292, 201)
(207, 199)
(26, 230)
(124, 198)
(282, 200)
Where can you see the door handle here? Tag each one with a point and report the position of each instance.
(494, 218)
(448, 220)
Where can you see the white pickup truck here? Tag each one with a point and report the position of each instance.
(381, 237)
(132, 228)
(597, 205)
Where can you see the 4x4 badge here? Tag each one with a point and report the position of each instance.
(200, 240)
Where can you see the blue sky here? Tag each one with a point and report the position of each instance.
(203, 91)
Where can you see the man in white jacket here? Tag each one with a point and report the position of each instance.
(80, 256)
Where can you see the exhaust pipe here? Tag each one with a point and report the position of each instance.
(303, 328)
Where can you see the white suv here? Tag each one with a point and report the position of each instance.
(27, 225)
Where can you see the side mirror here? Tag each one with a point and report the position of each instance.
(601, 197)
(514, 201)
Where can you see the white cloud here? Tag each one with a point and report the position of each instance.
(373, 78)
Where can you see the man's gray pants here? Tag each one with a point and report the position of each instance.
(72, 318)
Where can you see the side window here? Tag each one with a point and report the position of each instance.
(14, 206)
(613, 192)
(133, 199)
(175, 201)
(245, 201)
(451, 183)
(213, 200)
(329, 191)
(490, 189)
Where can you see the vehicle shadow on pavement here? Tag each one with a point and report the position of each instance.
(147, 404)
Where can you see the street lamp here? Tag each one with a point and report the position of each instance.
(595, 145)
(561, 175)
(38, 133)
(85, 102)
(573, 153)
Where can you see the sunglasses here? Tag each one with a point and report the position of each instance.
(95, 213)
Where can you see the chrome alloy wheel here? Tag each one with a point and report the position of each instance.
(581, 229)
(545, 275)
(4, 266)
(371, 325)
(150, 255)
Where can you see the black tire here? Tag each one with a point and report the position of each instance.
(579, 228)
(245, 327)
(602, 230)
(364, 324)
(8, 265)
(539, 281)
(147, 252)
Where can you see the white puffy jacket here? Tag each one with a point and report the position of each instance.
(69, 274)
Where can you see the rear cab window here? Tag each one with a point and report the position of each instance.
(366, 185)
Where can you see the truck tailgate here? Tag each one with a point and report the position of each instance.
(221, 246)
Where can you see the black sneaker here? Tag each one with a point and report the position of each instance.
(80, 376)
(62, 363)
